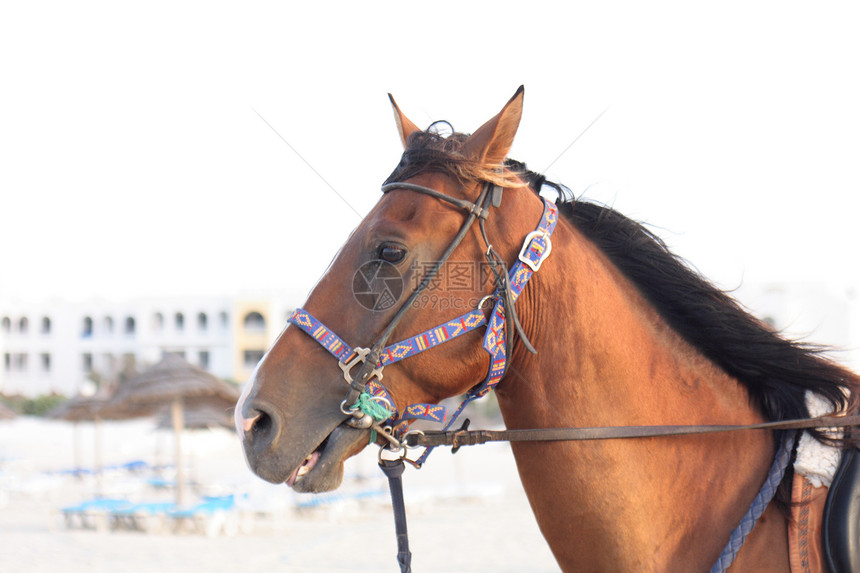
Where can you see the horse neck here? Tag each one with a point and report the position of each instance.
(605, 358)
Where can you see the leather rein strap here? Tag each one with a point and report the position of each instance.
(393, 470)
(465, 437)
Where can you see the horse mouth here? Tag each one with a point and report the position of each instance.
(307, 465)
(322, 469)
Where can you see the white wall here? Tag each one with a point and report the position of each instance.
(813, 312)
(68, 343)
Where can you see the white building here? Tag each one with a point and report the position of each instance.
(56, 346)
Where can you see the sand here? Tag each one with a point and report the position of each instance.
(467, 513)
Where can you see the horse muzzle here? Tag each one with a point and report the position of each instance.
(306, 451)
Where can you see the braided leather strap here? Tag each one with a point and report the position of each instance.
(759, 504)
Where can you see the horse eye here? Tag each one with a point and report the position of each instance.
(392, 253)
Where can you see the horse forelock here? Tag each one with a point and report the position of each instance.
(429, 151)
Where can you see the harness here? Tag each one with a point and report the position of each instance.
(368, 402)
(370, 405)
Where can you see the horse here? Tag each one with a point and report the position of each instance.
(610, 329)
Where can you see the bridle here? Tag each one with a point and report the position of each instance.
(369, 404)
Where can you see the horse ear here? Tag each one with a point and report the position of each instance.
(404, 126)
(492, 141)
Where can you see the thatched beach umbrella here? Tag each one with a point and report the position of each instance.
(82, 408)
(200, 417)
(215, 413)
(176, 383)
(6, 413)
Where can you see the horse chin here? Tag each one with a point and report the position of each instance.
(322, 470)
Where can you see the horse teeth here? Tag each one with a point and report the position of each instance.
(305, 467)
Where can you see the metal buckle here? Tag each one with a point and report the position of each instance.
(396, 447)
(527, 244)
(359, 356)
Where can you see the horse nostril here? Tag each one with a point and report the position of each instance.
(261, 425)
(247, 423)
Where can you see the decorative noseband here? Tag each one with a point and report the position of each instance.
(536, 248)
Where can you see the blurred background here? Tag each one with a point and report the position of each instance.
(175, 177)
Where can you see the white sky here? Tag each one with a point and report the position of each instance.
(132, 160)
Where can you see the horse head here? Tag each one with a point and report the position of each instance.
(291, 415)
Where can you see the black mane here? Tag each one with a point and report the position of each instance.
(776, 371)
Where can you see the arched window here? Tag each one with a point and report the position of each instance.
(225, 319)
(46, 325)
(202, 322)
(254, 321)
(7, 324)
(157, 322)
(130, 325)
(108, 324)
(87, 327)
(179, 321)
(23, 325)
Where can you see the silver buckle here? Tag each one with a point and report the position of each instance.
(359, 356)
(527, 243)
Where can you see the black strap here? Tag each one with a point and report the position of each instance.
(479, 209)
(393, 470)
(503, 286)
(464, 437)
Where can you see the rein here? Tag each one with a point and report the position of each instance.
(466, 437)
